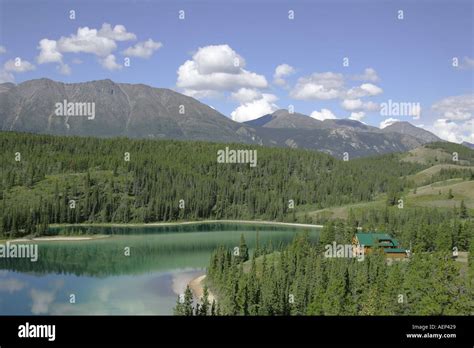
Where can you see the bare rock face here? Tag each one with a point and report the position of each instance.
(140, 111)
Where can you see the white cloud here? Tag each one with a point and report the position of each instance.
(117, 33)
(387, 122)
(49, 52)
(246, 95)
(205, 93)
(357, 116)
(3, 50)
(364, 90)
(109, 63)
(18, 66)
(358, 104)
(457, 108)
(282, 71)
(256, 108)
(143, 49)
(213, 68)
(452, 131)
(352, 104)
(324, 114)
(102, 43)
(369, 75)
(87, 41)
(324, 86)
(456, 118)
(218, 59)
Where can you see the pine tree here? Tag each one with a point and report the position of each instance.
(205, 305)
(463, 214)
(188, 309)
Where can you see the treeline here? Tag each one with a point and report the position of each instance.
(299, 280)
(450, 173)
(464, 153)
(48, 179)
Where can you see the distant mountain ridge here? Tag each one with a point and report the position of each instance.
(468, 144)
(141, 111)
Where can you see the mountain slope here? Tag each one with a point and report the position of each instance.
(140, 111)
(409, 129)
(137, 111)
(284, 119)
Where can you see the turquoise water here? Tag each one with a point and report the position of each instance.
(103, 280)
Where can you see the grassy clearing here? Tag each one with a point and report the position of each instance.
(437, 194)
(424, 175)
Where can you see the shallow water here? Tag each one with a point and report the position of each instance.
(104, 280)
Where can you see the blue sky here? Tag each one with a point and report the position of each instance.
(407, 60)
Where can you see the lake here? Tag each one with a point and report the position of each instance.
(103, 280)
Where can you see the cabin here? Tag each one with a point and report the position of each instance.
(371, 241)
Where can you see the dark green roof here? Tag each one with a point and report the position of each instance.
(371, 239)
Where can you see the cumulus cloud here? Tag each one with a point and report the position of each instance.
(387, 122)
(109, 63)
(358, 104)
(245, 95)
(357, 116)
(18, 65)
(218, 59)
(87, 40)
(452, 131)
(101, 43)
(49, 52)
(364, 90)
(117, 33)
(217, 68)
(3, 50)
(324, 114)
(456, 118)
(327, 85)
(143, 49)
(282, 71)
(255, 108)
(456, 108)
(369, 75)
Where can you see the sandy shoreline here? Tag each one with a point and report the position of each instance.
(58, 238)
(197, 287)
(259, 222)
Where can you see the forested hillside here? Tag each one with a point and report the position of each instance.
(299, 280)
(49, 179)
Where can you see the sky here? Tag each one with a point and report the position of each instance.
(372, 61)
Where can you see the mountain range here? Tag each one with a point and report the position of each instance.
(141, 111)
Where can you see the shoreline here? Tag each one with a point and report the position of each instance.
(151, 224)
(57, 238)
(197, 287)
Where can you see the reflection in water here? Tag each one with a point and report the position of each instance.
(104, 281)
